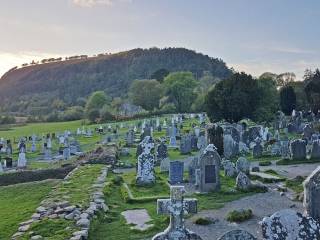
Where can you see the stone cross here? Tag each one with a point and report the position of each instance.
(176, 207)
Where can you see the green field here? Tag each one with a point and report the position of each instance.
(18, 203)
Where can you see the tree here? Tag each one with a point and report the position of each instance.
(160, 74)
(287, 99)
(233, 99)
(95, 102)
(146, 93)
(268, 99)
(179, 86)
(284, 79)
(312, 89)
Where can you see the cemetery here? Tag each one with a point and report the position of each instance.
(159, 120)
(122, 179)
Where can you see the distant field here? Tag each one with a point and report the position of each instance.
(37, 128)
(18, 203)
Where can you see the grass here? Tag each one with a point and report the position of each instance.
(18, 202)
(77, 189)
(52, 229)
(302, 161)
(112, 226)
(295, 184)
(239, 215)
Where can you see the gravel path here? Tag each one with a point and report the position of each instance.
(262, 204)
(291, 171)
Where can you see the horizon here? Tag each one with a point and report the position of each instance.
(254, 37)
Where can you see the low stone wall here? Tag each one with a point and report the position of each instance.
(73, 213)
(34, 175)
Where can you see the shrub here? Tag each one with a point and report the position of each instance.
(239, 215)
(203, 221)
(265, 163)
(117, 180)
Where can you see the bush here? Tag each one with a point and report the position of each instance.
(93, 115)
(105, 114)
(239, 215)
(203, 221)
(72, 113)
(265, 163)
(7, 119)
(117, 180)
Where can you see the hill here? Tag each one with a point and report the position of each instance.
(31, 89)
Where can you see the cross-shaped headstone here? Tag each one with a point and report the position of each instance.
(176, 207)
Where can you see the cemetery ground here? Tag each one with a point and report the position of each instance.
(18, 202)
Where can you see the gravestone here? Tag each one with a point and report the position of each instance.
(257, 150)
(230, 147)
(230, 169)
(315, 149)
(209, 165)
(162, 151)
(130, 137)
(176, 172)
(164, 165)
(173, 141)
(22, 161)
(243, 165)
(194, 142)
(308, 131)
(176, 207)
(238, 235)
(1, 168)
(288, 224)
(146, 162)
(312, 194)
(185, 144)
(201, 143)
(285, 150)
(243, 182)
(192, 170)
(298, 149)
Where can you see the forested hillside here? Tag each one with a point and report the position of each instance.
(33, 89)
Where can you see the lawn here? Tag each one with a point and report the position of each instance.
(112, 226)
(18, 202)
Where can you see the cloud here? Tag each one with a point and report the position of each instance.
(92, 3)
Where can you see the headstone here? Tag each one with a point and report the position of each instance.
(176, 172)
(185, 144)
(298, 149)
(162, 151)
(192, 170)
(146, 162)
(238, 235)
(315, 149)
(202, 143)
(285, 150)
(230, 147)
(209, 164)
(130, 137)
(194, 142)
(257, 150)
(243, 182)
(164, 165)
(288, 224)
(1, 168)
(308, 131)
(243, 165)
(230, 169)
(176, 207)
(312, 194)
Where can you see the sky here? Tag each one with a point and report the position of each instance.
(254, 36)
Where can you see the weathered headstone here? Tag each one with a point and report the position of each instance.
(176, 172)
(185, 144)
(238, 235)
(312, 194)
(308, 131)
(230, 169)
(288, 224)
(176, 207)
(243, 165)
(257, 150)
(243, 182)
(230, 147)
(214, 135)
(146, 162)
(315, 149)
(209, 164)
(298, 149)
(130, 137)
(162, 151)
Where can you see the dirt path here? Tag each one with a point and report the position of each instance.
(263, 204)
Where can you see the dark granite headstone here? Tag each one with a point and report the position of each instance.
(176, 172)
